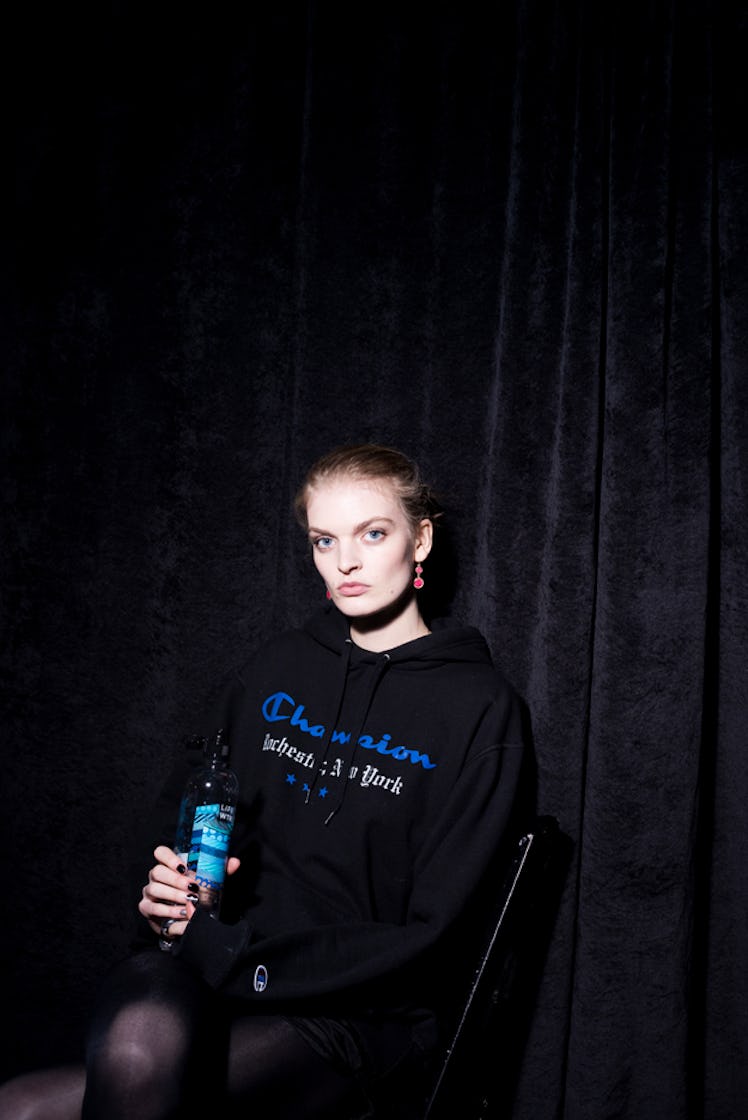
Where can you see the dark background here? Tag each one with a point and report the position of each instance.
(510, 239)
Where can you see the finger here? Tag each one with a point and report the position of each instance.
(176, 929)
(232, 865)
(157, 891)
(170, 859)
(164, 876)
(158, 910)
(159, 894)
(163, 882)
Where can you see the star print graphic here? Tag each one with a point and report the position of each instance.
(306, 788)
(323, 791)
(291, 779)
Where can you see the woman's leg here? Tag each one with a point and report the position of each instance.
(151, 1044)
(270, 1067)
(49, 1094)
(159, 1048)
(273, 1071)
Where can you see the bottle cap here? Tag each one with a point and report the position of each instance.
(216, 747)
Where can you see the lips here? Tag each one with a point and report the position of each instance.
(352, 589)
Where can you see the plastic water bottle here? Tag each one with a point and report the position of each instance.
(206, 818)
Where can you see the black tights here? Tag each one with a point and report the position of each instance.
(161, 1046)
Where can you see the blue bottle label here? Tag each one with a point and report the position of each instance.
(209, 845)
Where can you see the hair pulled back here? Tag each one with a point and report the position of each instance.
(372, 462)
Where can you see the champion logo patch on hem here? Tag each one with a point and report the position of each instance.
(260, 981)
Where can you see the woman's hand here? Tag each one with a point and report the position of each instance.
(170, 893)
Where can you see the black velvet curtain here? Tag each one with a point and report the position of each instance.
(508, 238)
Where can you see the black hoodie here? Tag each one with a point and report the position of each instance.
(375, 788)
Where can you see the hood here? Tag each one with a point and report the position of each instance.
(447, 642)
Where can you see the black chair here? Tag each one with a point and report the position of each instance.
(476, 1078)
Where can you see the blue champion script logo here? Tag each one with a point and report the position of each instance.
(279, 707)
(260, 981)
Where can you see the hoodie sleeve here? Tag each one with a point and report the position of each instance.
(334, 960)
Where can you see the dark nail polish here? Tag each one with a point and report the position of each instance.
(194, 887)
(181, 869)
(193, 898)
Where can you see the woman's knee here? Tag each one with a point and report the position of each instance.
(53, 1094)
(140, 1042)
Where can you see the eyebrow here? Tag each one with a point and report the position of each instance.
(358, 528)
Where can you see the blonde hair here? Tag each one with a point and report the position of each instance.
(374, 462)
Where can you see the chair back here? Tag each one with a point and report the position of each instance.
(476, 1078)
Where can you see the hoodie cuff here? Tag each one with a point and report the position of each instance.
(212, 948)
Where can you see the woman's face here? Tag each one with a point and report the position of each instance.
(364, 546)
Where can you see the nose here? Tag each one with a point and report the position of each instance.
(348, 560)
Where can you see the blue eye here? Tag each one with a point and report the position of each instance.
(322, 543)
(374, 534)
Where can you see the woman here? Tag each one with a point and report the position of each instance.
(378, 760)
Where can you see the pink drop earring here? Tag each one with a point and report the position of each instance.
(327, 594)
(418, 582)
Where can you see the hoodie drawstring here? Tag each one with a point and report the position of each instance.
(381, 670)
(345, 662)
(382, 667)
